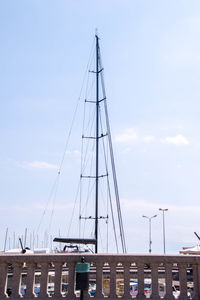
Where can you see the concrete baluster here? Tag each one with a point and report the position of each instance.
(126, 266)
(16, 280)
(198, 268)
(30, 280)
(3, 279)
(154, 282)
(70, 294)
(168, 280)
(17, 261)
(44, 281)
(57, 281)
(183, 281)
(99, 274)
(140, 272)
(196, 279)
(113, 280)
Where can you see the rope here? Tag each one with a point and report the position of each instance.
(47, 203)
(113, 165)
(109, 195)
(53, 206)
(66, 145)
(72, 216)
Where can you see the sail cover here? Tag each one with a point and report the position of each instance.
(75, 241)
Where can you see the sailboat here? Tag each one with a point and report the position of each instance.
(97, 136)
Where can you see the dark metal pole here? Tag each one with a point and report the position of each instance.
(164, 231)
(150, 242)
(163, 212)
(6, 236)
(81, 295)
(97, 143)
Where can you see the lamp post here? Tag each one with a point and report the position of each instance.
(163, 211)
(150, 241)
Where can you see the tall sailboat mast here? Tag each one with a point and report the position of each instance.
(95, 163)
(97, 143)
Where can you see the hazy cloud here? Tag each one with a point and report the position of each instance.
(41, 206)
(140, 204)
(148, 138)
(176, 140)
(38, 165)
(127, 136)
(74, 152)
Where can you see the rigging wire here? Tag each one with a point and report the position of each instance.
(55, 183)
(73, 211)
(47, 203)
(80, 182)
(80, 195)
(101, 240)
(73, 119)
(86, 206)
(106, 166)
(107, 205)
(109, 194)
(53, 205)
(90, 189)
(85, 159)
(113, 164)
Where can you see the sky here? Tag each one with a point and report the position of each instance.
(151, 58)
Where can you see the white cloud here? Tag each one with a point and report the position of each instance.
(130, 135)
(38, 165)
(148, 138)
(74, 152)
(37, 207)
(176, 140)
(41, 206)
(142, 205)
(137, 204)
(127, 136)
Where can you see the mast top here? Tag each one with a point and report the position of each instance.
(96, 33)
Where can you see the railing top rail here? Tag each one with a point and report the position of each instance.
(116, 258)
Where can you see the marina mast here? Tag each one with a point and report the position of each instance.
(99, 101)
(97, 143)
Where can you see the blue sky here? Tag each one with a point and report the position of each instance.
(151, 56)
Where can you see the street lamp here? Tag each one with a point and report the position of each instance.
(150, 241)
(163, 210)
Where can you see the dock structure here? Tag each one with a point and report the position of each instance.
(111, 275)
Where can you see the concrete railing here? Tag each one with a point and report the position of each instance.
(111, 276)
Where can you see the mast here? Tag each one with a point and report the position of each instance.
(97, 143)
(96, 134)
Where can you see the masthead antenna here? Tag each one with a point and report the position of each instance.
(96, 33)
